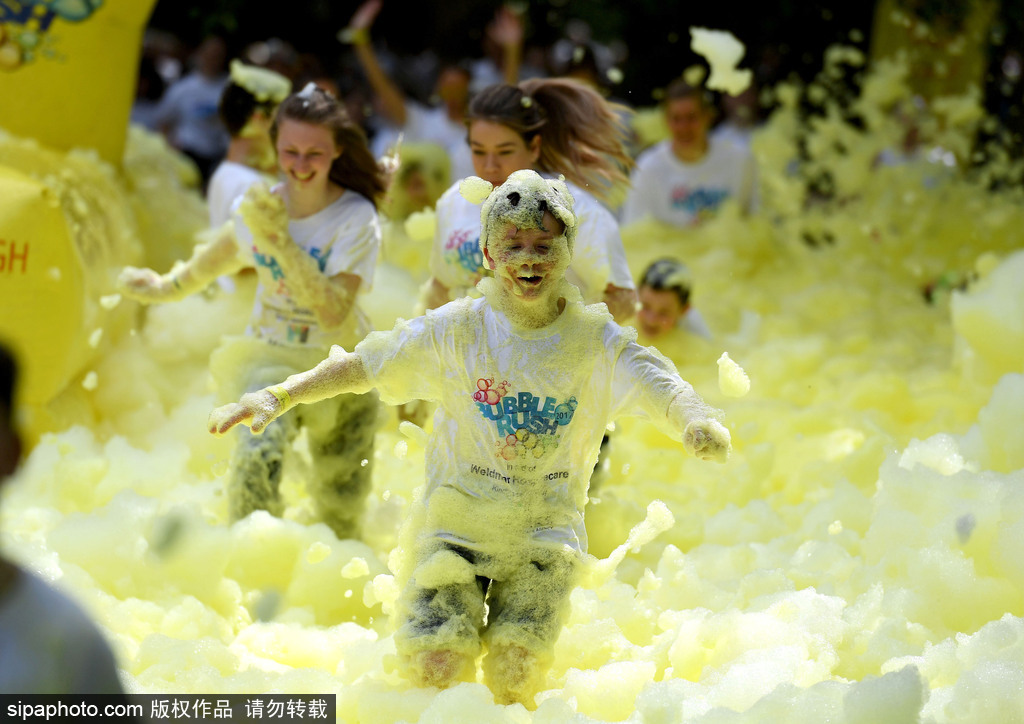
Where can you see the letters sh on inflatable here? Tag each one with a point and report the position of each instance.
(67, 80)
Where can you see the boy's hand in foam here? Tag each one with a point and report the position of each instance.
(707, 439)
(255, 409)
(144, 285)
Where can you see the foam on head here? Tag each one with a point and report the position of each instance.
(522, 201)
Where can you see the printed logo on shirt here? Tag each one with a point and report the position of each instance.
(268, 261)
(462, 250)
(298, 333)
(528, 425)
(699, 202)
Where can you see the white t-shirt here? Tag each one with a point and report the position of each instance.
(227, 183)
(342, 237)
(684, 194)
(432, 125)
(190, 108)
(49, 646)
(598, 256)
(521, 413)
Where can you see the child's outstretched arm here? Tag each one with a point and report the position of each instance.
(672, 403)
(703, 435)
(340, 372)
(208, 261)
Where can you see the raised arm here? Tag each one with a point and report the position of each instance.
(208, 261)
(506, 30)
(340, 372)
(330, 298)
(358, 34)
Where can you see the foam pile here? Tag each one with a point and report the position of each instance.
(857, 560)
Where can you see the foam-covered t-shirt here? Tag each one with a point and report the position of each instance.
(49, 646)
(229, 181)
(685, 194)
(520, 412)
(343, 237)
(598, 256)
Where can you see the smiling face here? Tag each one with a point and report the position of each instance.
(305, 152)
(530, 263)
(498, 151)
(659, 312)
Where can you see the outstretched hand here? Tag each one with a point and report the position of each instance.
(255, 409)
(707, 439)
(143, 285)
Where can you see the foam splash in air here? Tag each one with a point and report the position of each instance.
(723, 52)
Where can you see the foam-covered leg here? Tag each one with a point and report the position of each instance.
(525, 617)
(513, 674)
(341, 437)
(442, 612)
(441, 668)
(256, 468)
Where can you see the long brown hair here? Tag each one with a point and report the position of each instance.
(582, 135)
(355, 168)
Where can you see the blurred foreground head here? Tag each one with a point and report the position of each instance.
(10, 444)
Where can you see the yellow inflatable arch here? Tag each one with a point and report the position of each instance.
(67, 74)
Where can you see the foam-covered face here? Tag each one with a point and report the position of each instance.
(688, 122)
(305, 152)
(530, 263)
(660, 310)
(498, 151)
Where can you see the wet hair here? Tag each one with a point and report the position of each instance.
(355, 168)
(669, 275)
(582, 135)
(679, 89)
(237, 106)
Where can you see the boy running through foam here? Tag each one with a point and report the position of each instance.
(525, 378)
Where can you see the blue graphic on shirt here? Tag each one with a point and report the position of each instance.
(699, 202)
(276, 273)
(268, 262)
(528, 424)
(463, 251)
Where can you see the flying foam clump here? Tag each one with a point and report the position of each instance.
(722, 51)
(474, 189)
(732, 380)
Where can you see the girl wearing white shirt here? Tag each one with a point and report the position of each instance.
(554, 126)
(314, 241)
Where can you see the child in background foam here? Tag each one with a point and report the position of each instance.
(47, 643)
(552, 126)
(667, 319)
(246, 109)
(525, 379)
(314, 241)
(684, 180)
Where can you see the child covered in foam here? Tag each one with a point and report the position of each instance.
(526, 379)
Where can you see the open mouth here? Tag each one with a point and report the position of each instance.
(531, 280)
(302, 176)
